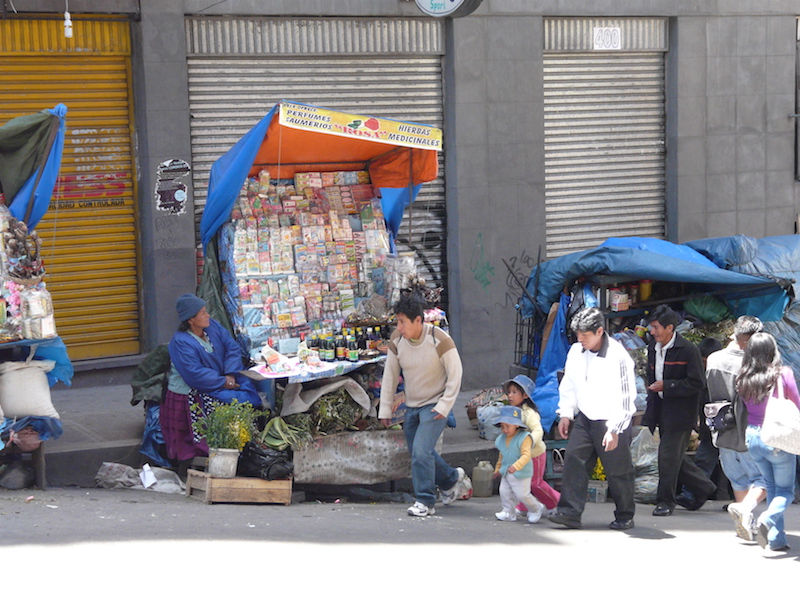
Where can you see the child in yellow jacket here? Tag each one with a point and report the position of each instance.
(519, 391)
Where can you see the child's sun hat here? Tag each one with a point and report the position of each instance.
(510, 415)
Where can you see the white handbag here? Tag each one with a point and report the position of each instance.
(781, 428)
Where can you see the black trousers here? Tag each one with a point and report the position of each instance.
(584, 447)
(675, 468)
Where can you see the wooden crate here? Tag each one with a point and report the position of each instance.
(250, 490)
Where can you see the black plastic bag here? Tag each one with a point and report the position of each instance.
(261, 461)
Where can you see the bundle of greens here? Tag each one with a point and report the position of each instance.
(332, 413)
(721, 331)
(280, 435)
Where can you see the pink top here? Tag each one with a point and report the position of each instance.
(755, 412)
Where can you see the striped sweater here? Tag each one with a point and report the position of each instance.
(431, 370)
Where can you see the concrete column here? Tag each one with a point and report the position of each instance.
(168, 260)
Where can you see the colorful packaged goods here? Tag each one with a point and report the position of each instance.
(306, 250)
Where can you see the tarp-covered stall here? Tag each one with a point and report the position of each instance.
(733, 270)
(297, 139)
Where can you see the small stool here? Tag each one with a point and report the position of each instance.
(37, 461)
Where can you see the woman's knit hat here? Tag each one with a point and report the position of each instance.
(188, 306)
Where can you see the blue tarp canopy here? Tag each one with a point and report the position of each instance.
(752, 276)
(777, 256)
(30, 159)
(760, 293)
(398, 161)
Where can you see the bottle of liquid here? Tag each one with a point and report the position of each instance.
(361, 341)
(341, 348)
(482, 476)
(352, 350)
(328, 353)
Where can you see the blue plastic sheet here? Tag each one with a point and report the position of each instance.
(227, 176)
(152, 438)
(44, 184)
(633, 258)
(545, 396)
(776, 257)
(48, 428)
(48, 349)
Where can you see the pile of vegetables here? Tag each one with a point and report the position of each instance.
(331, 413)
(721, 331)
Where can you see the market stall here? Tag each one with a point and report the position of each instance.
(298, 233)
(32, 356)
(614, 276)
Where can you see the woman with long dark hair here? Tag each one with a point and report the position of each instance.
(758, 383)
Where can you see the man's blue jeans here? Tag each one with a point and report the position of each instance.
(778, 468)
(428, 469)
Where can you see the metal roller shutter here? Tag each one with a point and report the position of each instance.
(89, 234)
(230, 89)
(604, 120)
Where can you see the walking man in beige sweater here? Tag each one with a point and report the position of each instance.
(431, 369)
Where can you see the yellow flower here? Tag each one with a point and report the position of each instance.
(599, 473)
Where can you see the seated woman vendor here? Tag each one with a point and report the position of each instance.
(206, 361)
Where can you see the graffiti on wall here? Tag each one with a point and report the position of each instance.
(519, 269)
(479, 265)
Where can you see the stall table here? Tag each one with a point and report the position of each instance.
(347, 458)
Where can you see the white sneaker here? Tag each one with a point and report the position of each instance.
(742, 520)
(505, 516)
(421, 510)
(533, 517)
(449, 496)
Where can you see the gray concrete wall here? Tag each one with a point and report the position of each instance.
(730, 138)
(495, 183)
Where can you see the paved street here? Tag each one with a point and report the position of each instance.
(91, 537)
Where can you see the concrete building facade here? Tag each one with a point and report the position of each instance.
(727, 159)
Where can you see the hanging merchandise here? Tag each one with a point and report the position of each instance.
(26, 308)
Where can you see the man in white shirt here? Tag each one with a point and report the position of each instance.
(596, 398)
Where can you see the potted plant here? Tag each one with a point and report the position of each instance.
(598, 486)
(227, 428)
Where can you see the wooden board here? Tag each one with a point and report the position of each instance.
(250, 490)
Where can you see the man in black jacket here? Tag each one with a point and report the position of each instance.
(676, 379)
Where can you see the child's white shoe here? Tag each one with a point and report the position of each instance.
(505, 516)
(533, 517)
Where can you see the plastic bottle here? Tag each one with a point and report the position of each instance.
(482, 476)
(352, 350)
(341, 348)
